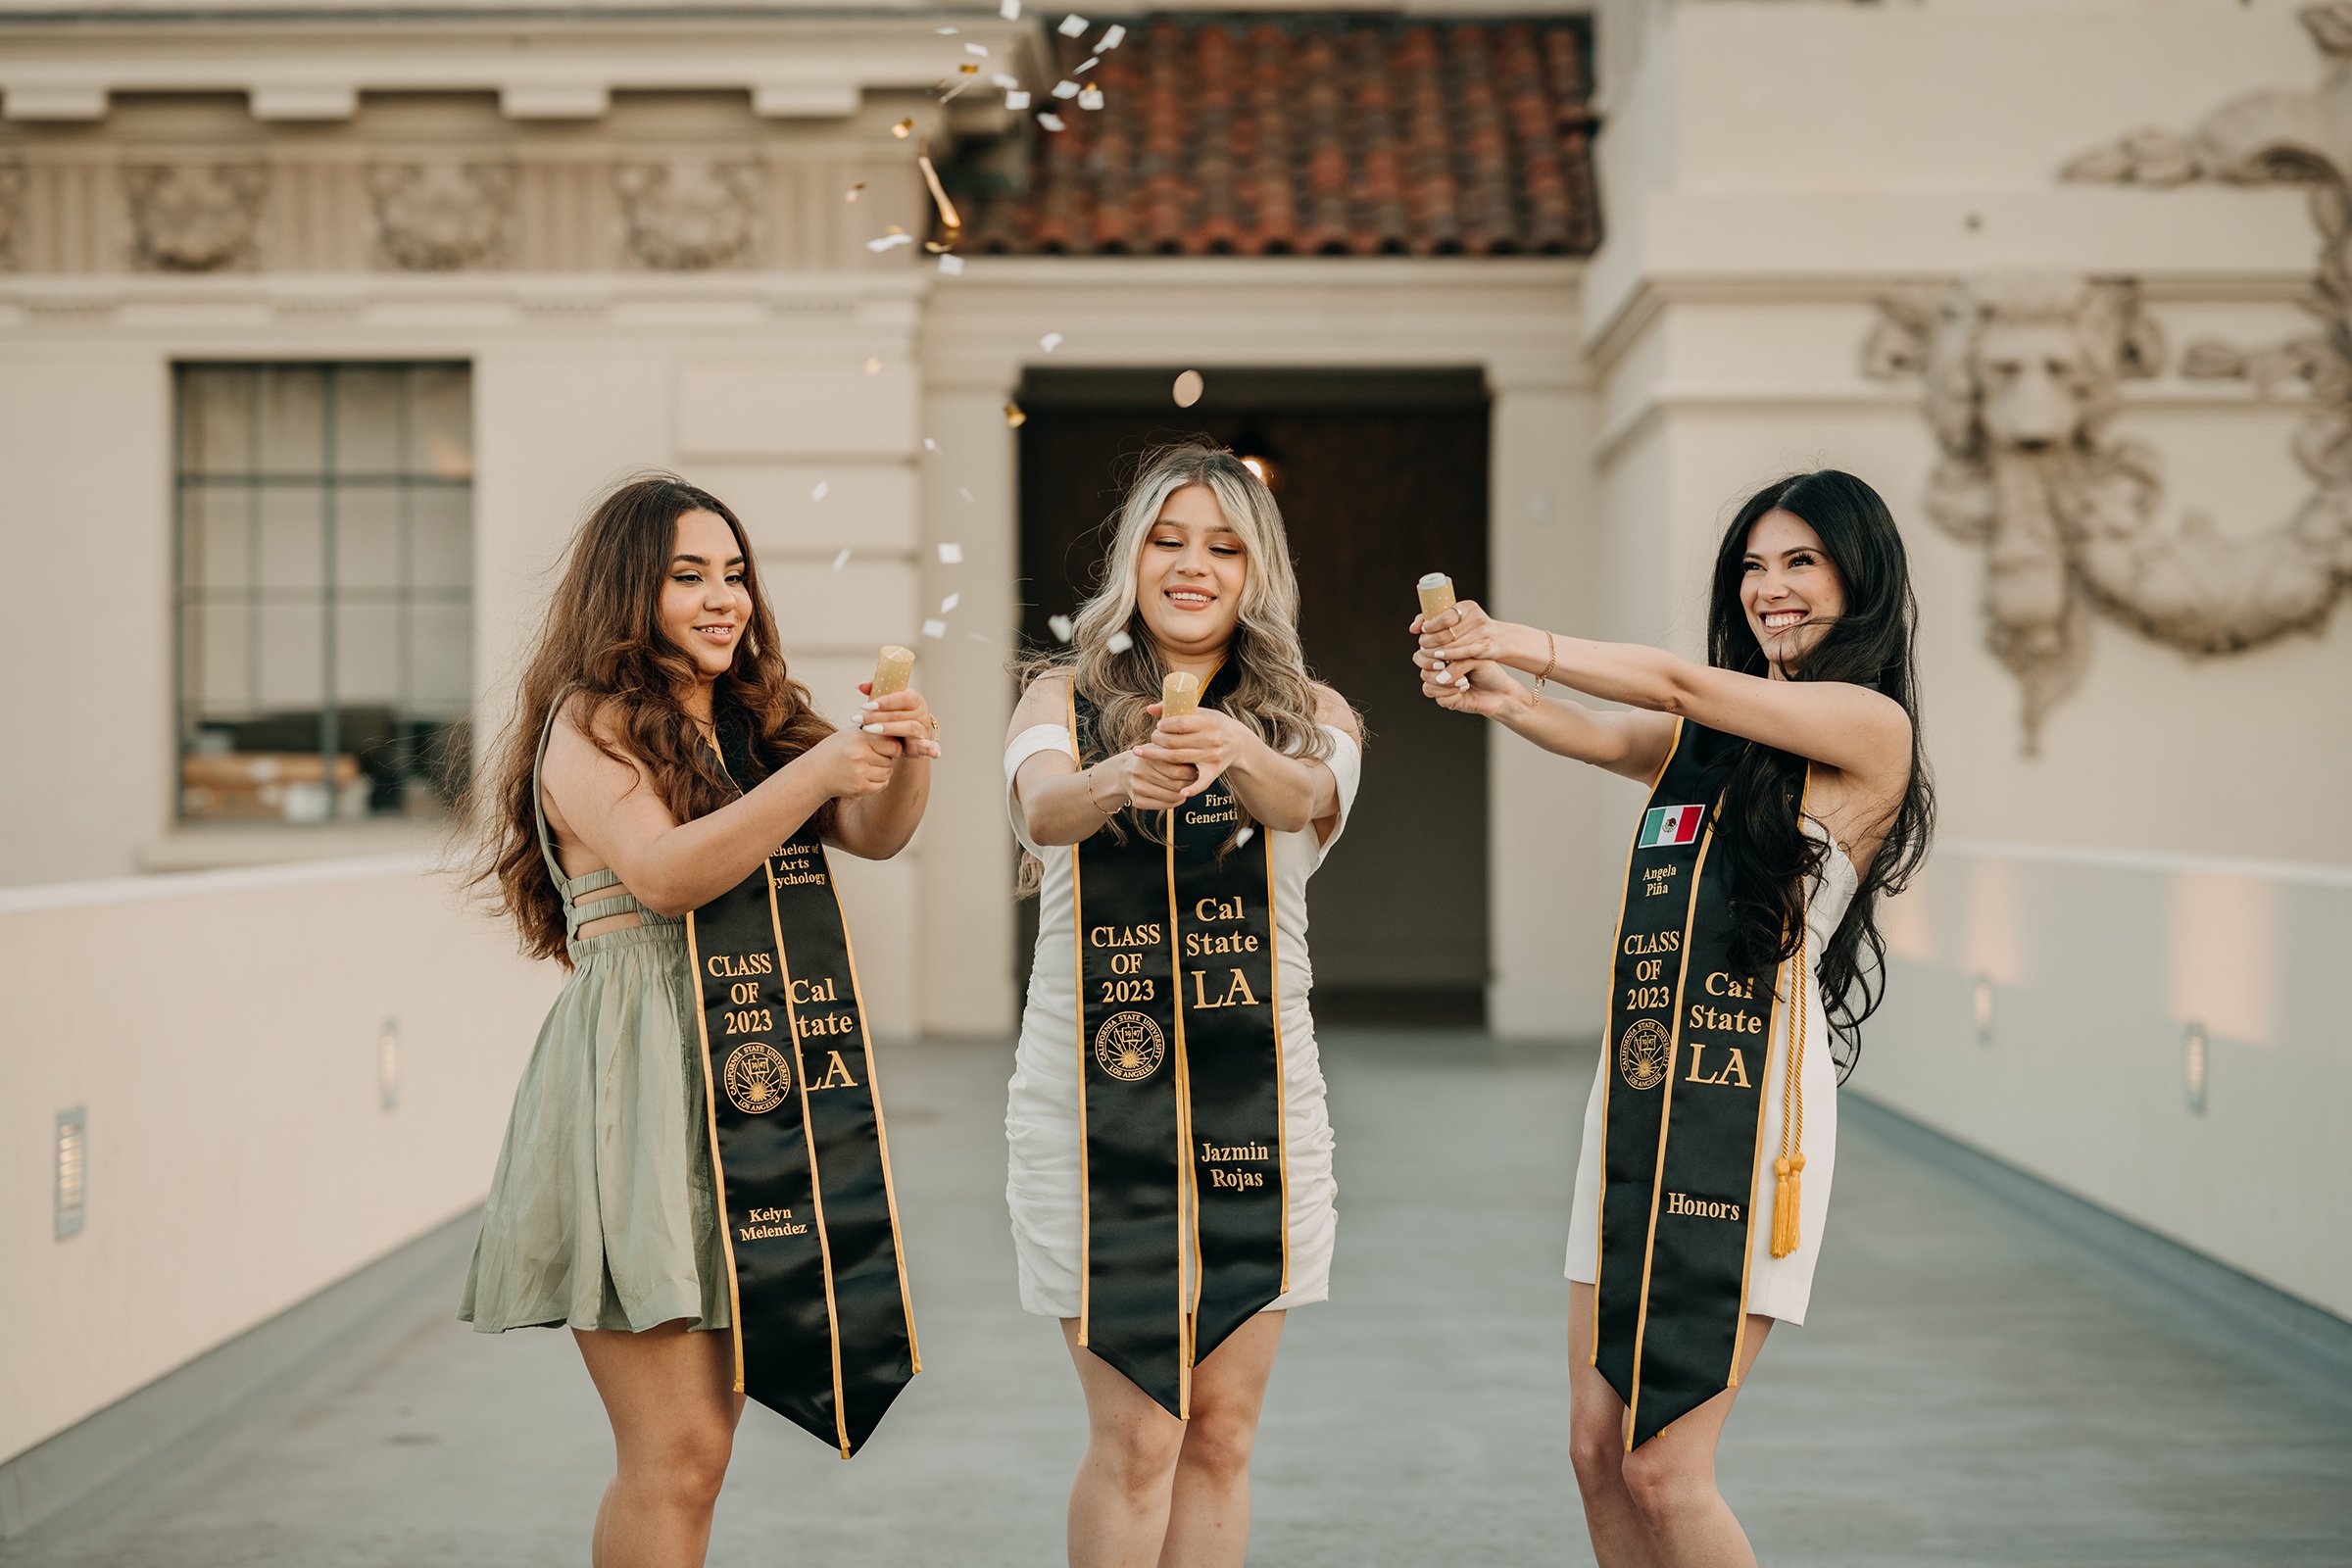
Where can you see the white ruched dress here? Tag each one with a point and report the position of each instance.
(1041, 1110)
(1777, 1287)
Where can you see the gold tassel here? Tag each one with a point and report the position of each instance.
(1790, 1169)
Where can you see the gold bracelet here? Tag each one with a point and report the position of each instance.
(1087, 776)
(1552, 657)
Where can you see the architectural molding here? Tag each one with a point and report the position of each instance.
(195, 217)
(435, 217)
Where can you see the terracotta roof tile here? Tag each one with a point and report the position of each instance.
(1310, 134)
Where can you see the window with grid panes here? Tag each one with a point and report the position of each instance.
(324, 579)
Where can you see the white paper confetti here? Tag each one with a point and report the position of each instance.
(1065, 88)
(1074, 24)
(1060, 626)
(1112, 37)
(1009, 10)
(947, 32)
(930, 445)
(947, 605)
(873, 365)
(964, 491)
(1092, 98)
(951, 265)
(823, 485)
(1244, 836)
(1016, 100)
(1120, 642)
(1050, 342)
(951, 554)
(1050, 122)
(841, 561)
(978, 51)
(889, 242)
(1188, 389)
(1089, 64)
(935, 629)
(1006, 81)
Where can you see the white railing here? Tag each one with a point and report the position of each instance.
(2163, 1035)
(285, 1072)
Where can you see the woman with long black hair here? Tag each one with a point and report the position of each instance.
(1787, 792)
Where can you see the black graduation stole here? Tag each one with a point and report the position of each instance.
(1179, 1085)
(824, 1325)
(1683, 1123)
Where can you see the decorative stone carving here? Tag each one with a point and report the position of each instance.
(195, 218)
(2022, 376)
(12, 203)
(442, 218)
(686, 215)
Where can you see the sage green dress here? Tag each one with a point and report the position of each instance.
(601, 1215)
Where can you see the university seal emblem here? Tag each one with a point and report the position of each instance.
(1129, 1047)
(757, 1078)
(1641, 1055)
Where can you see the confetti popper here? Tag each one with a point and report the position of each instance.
(1437, 593)
(892, 669)
(1179, 694)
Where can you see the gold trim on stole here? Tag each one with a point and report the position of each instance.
(873, 1093)
(719, 1171)
(1748, 1256)
(816, 1182)
(1282, 1077)
(1607, 1045)
(1190, 1189)
(1085, 1226)
(1657, 1180)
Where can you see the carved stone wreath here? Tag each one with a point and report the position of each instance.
(194, 218)
(688, 216)
(442, 218)
(2022, 376)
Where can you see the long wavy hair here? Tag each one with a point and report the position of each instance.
(1769, 858)
(603, 641)
(1113, 663)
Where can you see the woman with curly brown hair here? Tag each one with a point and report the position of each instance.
(616, 806)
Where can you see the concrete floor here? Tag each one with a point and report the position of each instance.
(1973, 1388)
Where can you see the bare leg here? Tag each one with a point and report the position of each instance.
(1671, 1480)
(1596, 1448)
(1119, 1501)
(669, 1396)
(1208, 1522)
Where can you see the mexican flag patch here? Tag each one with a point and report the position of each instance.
(1663, 826)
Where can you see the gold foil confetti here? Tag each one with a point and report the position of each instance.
(1015, 416)
(1120, 642)
(939, 193)
(1073, 25)
(854, 190)
(951, 554)
(903, 129)
(1050, 342)
(1060, 626)
(938, 249)
(1189, 387)
(873, 366)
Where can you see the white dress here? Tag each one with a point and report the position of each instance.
(1041, 1111)
(1777, 1287)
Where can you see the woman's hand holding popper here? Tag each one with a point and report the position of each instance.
(1205, 740)
(902, 717)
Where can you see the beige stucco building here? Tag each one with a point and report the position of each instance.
(1908, 240)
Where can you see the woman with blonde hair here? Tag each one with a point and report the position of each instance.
(1175, 777)
(660, 756)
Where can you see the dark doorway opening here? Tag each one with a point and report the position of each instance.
(1382, 476)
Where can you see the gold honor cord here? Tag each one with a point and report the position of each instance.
(1182, 1163)
(823, 1324)
(1688, 1045)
